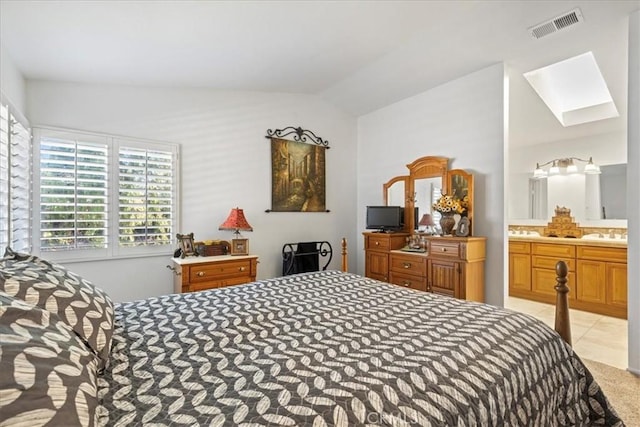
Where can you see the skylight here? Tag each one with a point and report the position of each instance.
(574, 90)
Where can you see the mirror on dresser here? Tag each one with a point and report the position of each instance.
(429, 177)
(460, 184)
(427, 180)
(394, 191)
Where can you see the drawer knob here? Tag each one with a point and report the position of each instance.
(406, 284)
(200, 273)
(241, 269)
(407, 265)
(444, 249)
(377, 243)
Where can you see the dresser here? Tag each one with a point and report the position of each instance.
(451, 266)
(200, 273)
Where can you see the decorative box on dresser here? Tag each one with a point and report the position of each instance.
(452, 266)
(200, 273)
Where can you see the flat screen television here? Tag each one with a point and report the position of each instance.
(385, 218)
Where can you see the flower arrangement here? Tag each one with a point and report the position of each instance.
(449, 204)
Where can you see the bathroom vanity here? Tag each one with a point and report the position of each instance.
(597, 271)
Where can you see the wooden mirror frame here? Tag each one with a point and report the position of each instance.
(387, 185)
(424, 167)
(459, 181)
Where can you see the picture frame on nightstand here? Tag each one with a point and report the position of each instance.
(187, 247)
(239, 246)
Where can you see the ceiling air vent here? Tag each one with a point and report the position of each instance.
(556, 24)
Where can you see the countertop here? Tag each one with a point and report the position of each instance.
(617, 243)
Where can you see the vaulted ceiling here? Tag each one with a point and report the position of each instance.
(358, 55)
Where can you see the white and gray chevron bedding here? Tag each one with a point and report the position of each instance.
(338, 349)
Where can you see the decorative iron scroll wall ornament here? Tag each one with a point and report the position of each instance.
(299, 135)
(297, 171)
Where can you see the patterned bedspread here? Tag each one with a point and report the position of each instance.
(338, 349)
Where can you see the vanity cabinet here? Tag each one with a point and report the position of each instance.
(603, 278)
(520, 266)
(597, 278)
(544, 257)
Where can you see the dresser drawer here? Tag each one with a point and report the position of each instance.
(444, 249)
(212, 284)
(384, 241)
(219, 270)
(408, 281)
(409, 264)
(377, 243)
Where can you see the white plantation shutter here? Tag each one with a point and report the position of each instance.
(15, 181)
(145, 204)
(436, 193)
(104, 196)
(4, 175)
(74, 202)
(20, 185)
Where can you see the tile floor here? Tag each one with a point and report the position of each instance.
(595, 337)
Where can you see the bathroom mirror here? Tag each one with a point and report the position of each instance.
(613, 191)
(590, 197)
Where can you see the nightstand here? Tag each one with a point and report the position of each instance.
(201, 273)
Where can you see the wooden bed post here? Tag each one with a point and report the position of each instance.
(563, 326)
(345, 263)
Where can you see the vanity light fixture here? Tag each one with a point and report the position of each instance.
(565, 165)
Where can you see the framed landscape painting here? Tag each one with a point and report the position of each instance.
(297, 176)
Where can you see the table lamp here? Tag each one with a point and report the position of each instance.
(237, 222)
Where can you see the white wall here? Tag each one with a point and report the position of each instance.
(225, 163)
(12, 84)
(633, 193)
(463, 120)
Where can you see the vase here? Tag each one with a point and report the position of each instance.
(447, 222)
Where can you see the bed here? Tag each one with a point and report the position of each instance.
(321, 349)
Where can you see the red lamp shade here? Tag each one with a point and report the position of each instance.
(236, 221)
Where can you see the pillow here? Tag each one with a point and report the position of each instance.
(18, 256)
(84, 307)
(49, 376)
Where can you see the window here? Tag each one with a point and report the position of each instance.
(146, 182)
(15, 180)
(104, 196)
